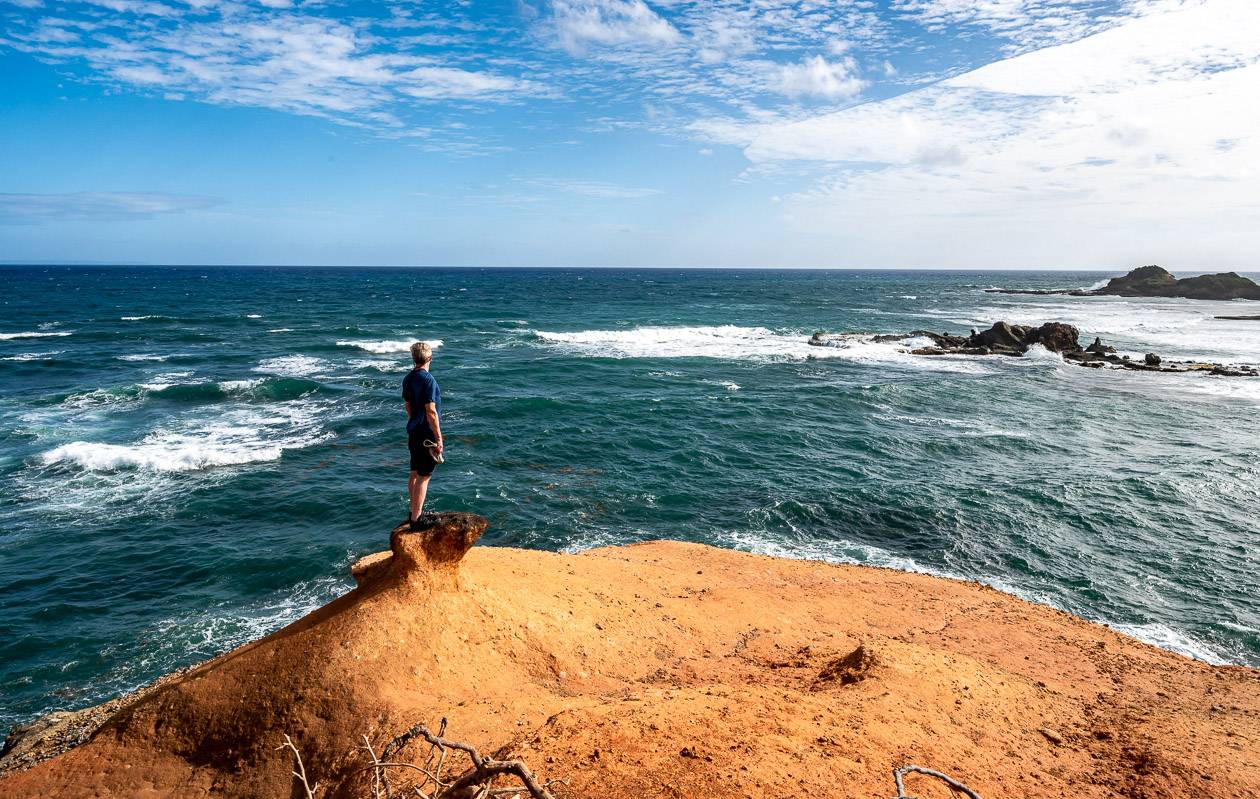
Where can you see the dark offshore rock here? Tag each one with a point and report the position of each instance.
(1057, 337)
(1099, 348)
(1042, 292)
(1145, 281)
(1155, 281)
(943, 340)
(1004, 338)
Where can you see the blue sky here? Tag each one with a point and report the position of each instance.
(849, 133)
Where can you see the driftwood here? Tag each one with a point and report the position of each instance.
(475, 782)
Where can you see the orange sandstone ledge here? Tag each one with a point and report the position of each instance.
(679, 670)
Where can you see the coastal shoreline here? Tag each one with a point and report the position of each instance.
(644, 651)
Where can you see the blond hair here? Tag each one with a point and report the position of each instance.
(421, 353)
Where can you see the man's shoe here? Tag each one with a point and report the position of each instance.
(423, 522)
(433, 452)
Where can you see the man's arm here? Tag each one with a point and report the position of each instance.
(430, 411)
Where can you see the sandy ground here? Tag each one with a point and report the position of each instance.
(677, 670)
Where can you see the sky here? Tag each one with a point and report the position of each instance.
(1064, 134)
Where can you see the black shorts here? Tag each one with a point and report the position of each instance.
(422, 462)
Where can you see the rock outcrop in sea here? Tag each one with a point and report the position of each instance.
(681, 670)
(1155, 281)
(1004, 338)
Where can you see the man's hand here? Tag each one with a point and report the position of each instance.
(430, 410)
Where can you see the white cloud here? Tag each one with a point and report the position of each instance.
(1115, 138)
(448, 83)
(274, 59)
(594, 188)
(140, 7)
(581, 23)
(724, 35)
(711, 51)
(818, 77)
(1026, 23)
(99, 205)
(388, 74)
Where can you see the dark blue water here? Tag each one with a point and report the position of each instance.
(190, 458)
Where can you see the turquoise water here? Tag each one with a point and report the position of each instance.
(190, 458)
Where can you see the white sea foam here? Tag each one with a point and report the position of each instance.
(379, 365)
(1205, 387)
(239, 436)
(281, 330)
(1042, 355)
(293, 366)
(743, 343)
(1167, 638)
(165, 457)
(206, 633)
(166, 380)
(33, 356)
(832, 552)
(34, 334)
(951, 427)
(909, 296)
(142, 356)
(850, 552)
(1171, 327)
(383, 347)
(253, 316)
(239, 385)
(96, 398)
(142, 318)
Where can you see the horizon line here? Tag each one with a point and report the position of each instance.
(159, 265)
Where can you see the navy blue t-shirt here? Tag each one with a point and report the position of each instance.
(420, 388)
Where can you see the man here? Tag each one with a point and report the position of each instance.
(423, 400)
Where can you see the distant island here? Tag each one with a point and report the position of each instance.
(1155, 281)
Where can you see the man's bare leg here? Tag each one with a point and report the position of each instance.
(417, 487)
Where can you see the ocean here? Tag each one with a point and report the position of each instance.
(191, 457)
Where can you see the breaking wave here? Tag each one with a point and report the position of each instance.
(142, 356)
(383, 347)
(33, 334)
(24, 357)
(268, 388)
(239, 437)
(379, 365)
(294, 366)
(1165, 637)
(744, 343)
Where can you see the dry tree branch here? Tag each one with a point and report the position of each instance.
(300, 773)
(378, 775)
(475, 783)
(479, 779)
(954, 785)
